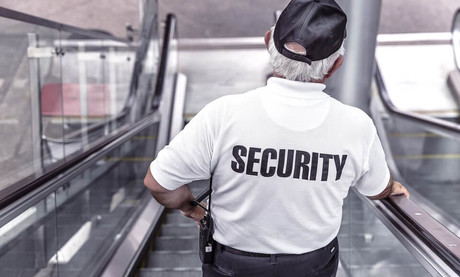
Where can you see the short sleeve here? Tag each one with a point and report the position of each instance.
(188, 156)
(375, 175)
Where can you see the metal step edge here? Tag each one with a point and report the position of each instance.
(391, 266)
(179, 237)
(181, 252)
(174, 269)
(180, 225)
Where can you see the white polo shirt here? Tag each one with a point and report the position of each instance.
(283, 158)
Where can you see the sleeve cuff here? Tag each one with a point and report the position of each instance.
(382, 186)
(160, 177)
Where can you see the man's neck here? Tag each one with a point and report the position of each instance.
(312, 81)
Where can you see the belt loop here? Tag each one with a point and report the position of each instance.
(273, 259)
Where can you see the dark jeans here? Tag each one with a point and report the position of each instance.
(321, 262)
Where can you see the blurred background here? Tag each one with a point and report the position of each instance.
(227, 18)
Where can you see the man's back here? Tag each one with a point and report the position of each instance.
(267, 176)
(282, 157)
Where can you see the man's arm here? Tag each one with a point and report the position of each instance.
(180, 198)
(393, 188)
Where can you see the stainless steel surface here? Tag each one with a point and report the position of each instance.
(177, 120)
(417, 247)
(222, 43)
(351, 84)
(166, 84)
(414, 39)
(36, 111)
(120, 264)
(456, 37)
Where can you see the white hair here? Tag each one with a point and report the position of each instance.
(300, 71)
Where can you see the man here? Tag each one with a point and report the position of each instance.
(282, 157)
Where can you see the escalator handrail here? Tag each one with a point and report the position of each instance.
(170, 35)
(9, 201)
(141, 53)
(435, 235)
(440, 125)
(27, 18)
(456, 37)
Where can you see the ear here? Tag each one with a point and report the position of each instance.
(336, 66)
(267, 37)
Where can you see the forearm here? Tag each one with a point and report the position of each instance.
(174, 199)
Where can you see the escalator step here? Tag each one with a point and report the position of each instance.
(148, 272)
(371, 256)
(179, 230)
(178, 218)
(174, 260)
(175, 244)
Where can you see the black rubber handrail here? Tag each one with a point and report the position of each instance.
(423, 227)
(23, 187)
(170, 34)
(456, 37)
(19, 16)
(427, 121)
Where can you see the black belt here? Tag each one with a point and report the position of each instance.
(249, 254)
(253, 254)
(242, 253)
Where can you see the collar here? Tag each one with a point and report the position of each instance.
(296, 89)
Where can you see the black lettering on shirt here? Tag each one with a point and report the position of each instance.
(252, 160)
(297, 164)
(326, 158)
(339, 165)
(238, 152)
(302, 159)
(285, 164)
(314, 166)
(268, 154)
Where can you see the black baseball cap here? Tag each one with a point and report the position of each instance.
(318, 25)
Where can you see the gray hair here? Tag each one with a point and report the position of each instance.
(300, 71)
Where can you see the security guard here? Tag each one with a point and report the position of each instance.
(282, 157)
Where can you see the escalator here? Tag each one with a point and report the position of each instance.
(95, 218)
(66, 208)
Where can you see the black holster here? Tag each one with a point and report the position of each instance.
(207, 243)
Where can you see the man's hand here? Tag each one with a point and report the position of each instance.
(393, 188)
(399, 189)
(194, 212)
